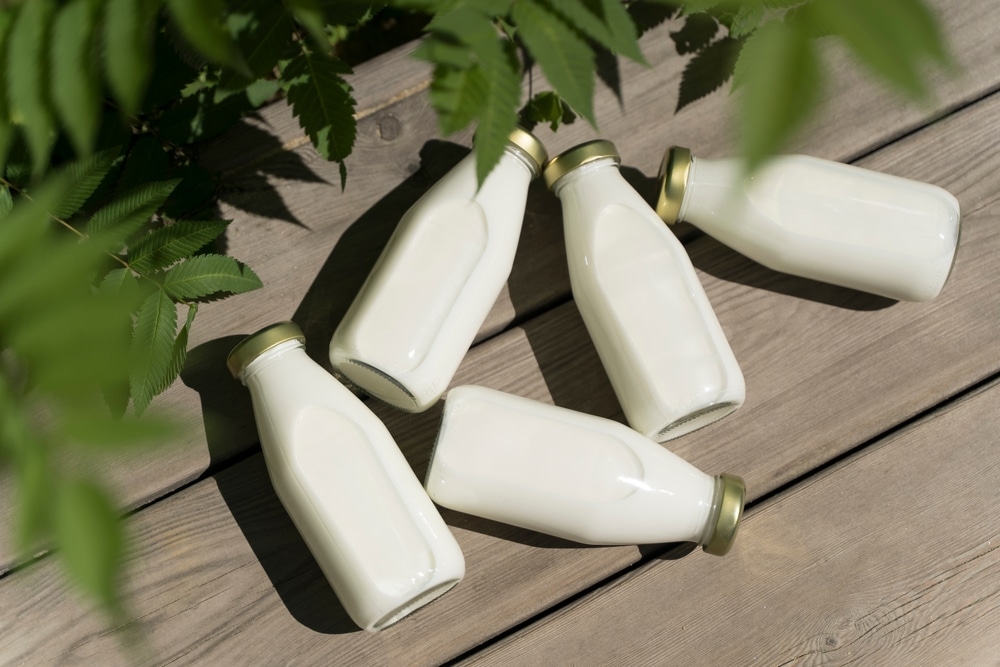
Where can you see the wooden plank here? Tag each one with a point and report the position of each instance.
(827, 369)
(312, 244)
(890, 557)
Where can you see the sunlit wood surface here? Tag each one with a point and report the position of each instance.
(868, 440)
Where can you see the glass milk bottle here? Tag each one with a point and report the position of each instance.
(574, 475)
(347, 487)
(437, 279)
(640, 298)
(820, 219)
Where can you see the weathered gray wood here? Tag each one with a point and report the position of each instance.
(889, 557)
(219, 574)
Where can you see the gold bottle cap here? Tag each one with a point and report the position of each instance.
(258, 343)
(673, 181)
(578, 156)
(730, 493)
(531, 145)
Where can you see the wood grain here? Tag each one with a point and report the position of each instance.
(219, 574)
(890, 557)
(313, 244)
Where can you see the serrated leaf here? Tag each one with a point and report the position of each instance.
(746, 20)
(85, 177)
(27, 79)
(206, 275)
(120, 282)
(162, 247)
(321, 100)
(780, 80)
(200, 22)
(547, 107)
(498, 116)
(128, 41)
(152, 349)
(605, 21)
(708, 70)
(124, 216)
(458, 96)
(76, 82)
(566, 60)
(90, 540)
(180, 344)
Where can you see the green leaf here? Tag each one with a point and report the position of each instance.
(121, 282)
(605, 21)
(322, 101)
(547, 107)
(444, 50)
(498, 117)
(146, 161)
(162, 247)
(152, 349)
(309, 13)
(201, 23)
(128, 46)
(206, 275)
(6, 130)
(124, 216)
(6, 201)
(746, 20)
(262, 30)
(566, 60)
(90, 539)
(458, 96)
(76, 82)
(85, 177)
(27, 79)
(35, 486)
(475, 30)
(180, 344)
(708, 70)
(780, 76)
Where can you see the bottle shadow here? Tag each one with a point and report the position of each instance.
(236, 462)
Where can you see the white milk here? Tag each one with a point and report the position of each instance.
(645, 309)
(347, 487)
(437, 279)
(820, 219)
(573, 475)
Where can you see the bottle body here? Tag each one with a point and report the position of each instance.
(565, 473)
(653, 326)
(349, 490)
(829, 221)
(419, 311)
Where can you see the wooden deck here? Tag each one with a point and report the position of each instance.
(868, 441)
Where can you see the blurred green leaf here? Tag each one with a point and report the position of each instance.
(128, 47)
(6, 129)
(28, 77)
(206, 275)
(75, 75)
(201, 23)
(498, 117)
(458, 96)
(152, 349)
(97, 428)
(262, 30)
(566, 60)
(89, 535)
(547, 107)
(780, 77)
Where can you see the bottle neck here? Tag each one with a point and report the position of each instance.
(584, 171)
(269, 356)
(524, 158)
